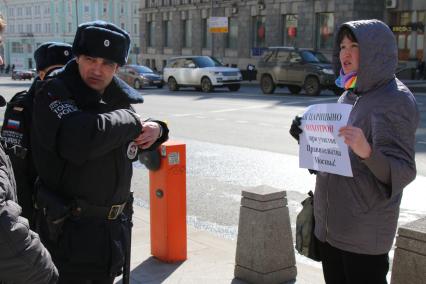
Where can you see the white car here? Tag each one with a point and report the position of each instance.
(202, 72)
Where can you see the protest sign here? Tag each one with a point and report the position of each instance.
(321, 148)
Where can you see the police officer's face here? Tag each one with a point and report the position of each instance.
(96, 72)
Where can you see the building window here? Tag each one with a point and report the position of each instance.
(135, 29)
(167, 25)
(37, 10)
(12, 28)
(207, 36)
(123, 26)
(121, 9)
(187, 33)
(17, 47)
(38, 28)
(325, 30)
(19, 12)
(11, 12)
(105, 8)
(29, 28)
(20, 28)
(28, 11)
(57, 27)
(86, 9)
(232, 35)
(151, 33)
(69, 27)
(259, 31)
(290, 29)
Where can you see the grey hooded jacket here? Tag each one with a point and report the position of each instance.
(23, 258)
(360, 213)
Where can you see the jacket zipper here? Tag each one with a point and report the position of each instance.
(328, 181)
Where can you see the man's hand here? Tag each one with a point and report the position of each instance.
(295, 127)
(355, 139)
(150, 133)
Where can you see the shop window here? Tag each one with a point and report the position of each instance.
(232, 35)
(324, 30)
(207, 36)
(259, 31)
(187, 33)
(151, 33)
(167, 26)
(289, 29)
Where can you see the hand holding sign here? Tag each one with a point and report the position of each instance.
(355, 138)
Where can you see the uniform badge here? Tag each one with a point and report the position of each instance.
(66, 52)
(13, 124)
(132, 150)
(106, 43)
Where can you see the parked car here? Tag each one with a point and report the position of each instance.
(202, 72)
(296, 69)
(22, 75)
(139, 76)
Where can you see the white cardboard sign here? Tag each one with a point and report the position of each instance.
(321, 148)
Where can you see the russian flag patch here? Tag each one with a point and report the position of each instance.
(13, 124)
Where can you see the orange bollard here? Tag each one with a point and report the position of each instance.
(167, 187)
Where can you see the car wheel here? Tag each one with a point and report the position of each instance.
(267, 84)
(312, 86)
(294, 89)
(173, 86)
(234, 87)
(206, 85)
(137, 84)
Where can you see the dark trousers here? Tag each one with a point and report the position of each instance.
(66, 280)
(342, 267)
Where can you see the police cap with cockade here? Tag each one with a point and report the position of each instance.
(52, 53)
(102, 39)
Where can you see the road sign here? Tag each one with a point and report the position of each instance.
(218, 24)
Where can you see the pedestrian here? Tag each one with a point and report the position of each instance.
(49, 58)
(7, 68)
(251, 72)
(356, 217)
(23, 258)
(85, 136)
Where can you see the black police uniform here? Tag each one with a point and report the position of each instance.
(16, 127)
(82, 154)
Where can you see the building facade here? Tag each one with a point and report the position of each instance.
(180, 27)
(32, 22)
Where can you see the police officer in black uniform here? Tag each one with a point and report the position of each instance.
(23, 258)
(49, 57)
(85, 137)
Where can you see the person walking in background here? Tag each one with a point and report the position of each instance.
(23, 258)
(85, 136)
(356, 217)
(49, 57)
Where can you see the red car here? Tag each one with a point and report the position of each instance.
(22, 75)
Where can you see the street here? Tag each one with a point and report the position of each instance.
(237, 140)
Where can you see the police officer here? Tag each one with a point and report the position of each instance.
(85, 137)
(49, 57)
(23, 258)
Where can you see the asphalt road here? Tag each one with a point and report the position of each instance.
(234, 140)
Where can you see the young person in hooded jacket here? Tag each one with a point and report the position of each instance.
(23, 258)
(356, 217)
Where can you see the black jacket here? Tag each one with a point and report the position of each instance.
(23, 258)
(80, 141)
